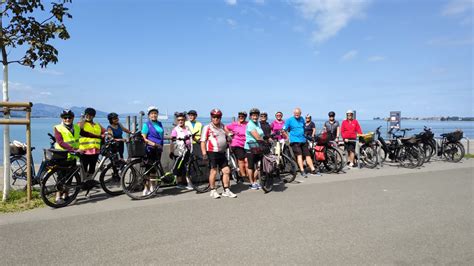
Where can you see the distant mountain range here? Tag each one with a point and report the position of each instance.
(46, 110)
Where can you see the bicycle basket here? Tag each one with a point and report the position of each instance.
(136, 148)
(55, 155)
(322, 139)
(454, 136)
(17, 148)
(367, 138)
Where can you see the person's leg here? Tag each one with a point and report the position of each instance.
(296, 147)
(307, 155)
(250, 168)
(121, 149)
(226, 177)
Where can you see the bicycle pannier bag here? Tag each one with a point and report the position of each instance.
(319, 153)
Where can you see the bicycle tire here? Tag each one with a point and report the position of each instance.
(428, 150)
(288, 169)
(453, 151)
(331, 162)
(407, 158)
(198, 178)
(18, 172)
(368, 156)
(110, 181)
(134, 180)
(53, 183)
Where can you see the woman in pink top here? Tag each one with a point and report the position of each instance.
(277, 126)
(238, 128)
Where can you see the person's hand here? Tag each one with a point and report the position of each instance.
(346, 140)
(205, 157)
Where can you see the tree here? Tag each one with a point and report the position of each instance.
(28, 29)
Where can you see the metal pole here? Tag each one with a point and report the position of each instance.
(134, 123)
(141, 120)
(127, 124)
(28, 156)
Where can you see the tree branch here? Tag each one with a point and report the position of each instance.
(46, 20)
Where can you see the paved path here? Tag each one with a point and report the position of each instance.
(386, 216)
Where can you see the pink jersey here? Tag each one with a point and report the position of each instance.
(238, 140)
(277, 126)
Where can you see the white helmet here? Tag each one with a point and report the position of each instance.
(152, 108)
(349, 112)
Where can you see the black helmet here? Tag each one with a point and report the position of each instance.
(243, 113)
(66, 113)
(254, 111)
(192, 112)
(90, 111)
(263, 114)
(112, 116)
(332, 114)
(179, 114)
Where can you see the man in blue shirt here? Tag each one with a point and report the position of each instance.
(295, 127)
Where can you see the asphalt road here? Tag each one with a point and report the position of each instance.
(394, 216)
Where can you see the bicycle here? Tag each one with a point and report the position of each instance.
(451, 148)
(141, 172)
(427, 142)
(399, 150)
(286, 165)
(368, 150)
(325, 153)
(64, 176)
(18, 165)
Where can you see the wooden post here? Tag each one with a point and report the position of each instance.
(134, 123)
(28, 155)
(127, 125)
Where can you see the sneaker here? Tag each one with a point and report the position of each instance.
(146, 192)
(351, 165)
(214, 194)
(189, 187)
(304, 174)
(228, 193)
(258, 185)
(179, 186)
(315, 173)
(59, 201)
(254, 186)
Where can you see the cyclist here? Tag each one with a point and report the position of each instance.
(254, 137)
(266, 127)
(67, 138)
(213, 148)
(295, 127)
(116, 129)
(152, 132)
(332, 127)
(277, 126)
(91, 138)
(196, 127)
(349, 130)
(237, 129)
(309, 127)
(180, 138)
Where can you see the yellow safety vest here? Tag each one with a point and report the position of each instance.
(196, 129)
(68, 138)
(90, 143)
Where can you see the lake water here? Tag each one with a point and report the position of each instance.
(42, 126)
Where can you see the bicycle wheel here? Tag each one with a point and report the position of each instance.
(331, 162)
(287, 169)
(266, 182)
(407, 157)
(453, 152)
(368, 156)
(135, 178)
(428, 151)
(63, 181)
(110, 180)
(198, 177)
(18, 172)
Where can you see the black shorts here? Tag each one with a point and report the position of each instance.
(252, 159)
(239, 153)
(217, 159)
(350, 146)
(300, 148)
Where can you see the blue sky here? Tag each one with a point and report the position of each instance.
(372, 56)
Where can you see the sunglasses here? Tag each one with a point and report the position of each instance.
(242, 116)
(216, 117)
(179, 120)
(67, 118)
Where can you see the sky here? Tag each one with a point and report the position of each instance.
(373, 56)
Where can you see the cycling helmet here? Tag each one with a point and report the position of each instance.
(349, 112)
(179, 114)
(308, 116)
(192, 112)
(90, 111)
(152, 108)
(216, 112)
(331, 114)
(254, 111)
(279, 113)
(112, 116)
(264, 113)
(67, 113)
(243, 113)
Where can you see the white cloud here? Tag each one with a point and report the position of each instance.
(376, 58)
(456, 7)
(49, 72)
(260, 2)
(231, 22)
(330, 16)
(46, 93)
(231, 2)
(349, 55)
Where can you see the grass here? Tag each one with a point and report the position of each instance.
(469, 156)
(16, 201)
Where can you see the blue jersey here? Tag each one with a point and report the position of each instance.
(295, 127)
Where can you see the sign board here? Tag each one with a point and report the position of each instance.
(395, 119)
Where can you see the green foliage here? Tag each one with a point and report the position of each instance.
(17, 201)
(22, 27)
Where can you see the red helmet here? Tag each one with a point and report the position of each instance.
(216, 112)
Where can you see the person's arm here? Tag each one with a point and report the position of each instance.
(338, 130)
(256, 135)
(60, 141)
(174, 134)
(124, 129)
(343, 130)
(358, 128)
(203, 142)
(314, 131)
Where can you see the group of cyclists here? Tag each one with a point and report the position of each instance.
(210, 142)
